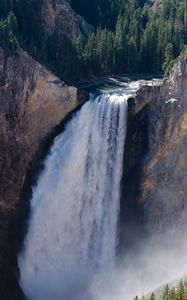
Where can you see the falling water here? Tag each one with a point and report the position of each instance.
(75, 205)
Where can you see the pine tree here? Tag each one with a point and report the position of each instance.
(185, 291)
(8, 38)
(152, 297)
(180, 291)
(172, 294)
(165, 295)
(168, 58)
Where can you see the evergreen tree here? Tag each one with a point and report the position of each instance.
(8, 30)
(165, 295)
(180, 291)
(172, 294)
(152, 297)
(185, 291)
(127, 37)
(168, 58)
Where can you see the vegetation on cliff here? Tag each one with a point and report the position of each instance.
(142, 41)
(56, 52)
(8, 34)
(128, 37)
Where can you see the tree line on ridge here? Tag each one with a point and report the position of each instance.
(128, 37)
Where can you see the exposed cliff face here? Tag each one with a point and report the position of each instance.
(59, 18)
(156, 176)
(32, 103)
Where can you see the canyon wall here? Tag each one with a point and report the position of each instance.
(155, 174)
(59, 18)
(32, 102)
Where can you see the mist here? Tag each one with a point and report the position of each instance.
(156, 261)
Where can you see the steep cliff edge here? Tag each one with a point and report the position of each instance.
(59, 18)
(155, 163)
(32, 102)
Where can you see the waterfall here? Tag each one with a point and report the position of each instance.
(75, 206)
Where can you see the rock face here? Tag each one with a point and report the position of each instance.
(154, 185)
(32, 103)
(59, 18)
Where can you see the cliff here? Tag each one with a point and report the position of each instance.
(155, 174)
(32, 102)
(59, 18)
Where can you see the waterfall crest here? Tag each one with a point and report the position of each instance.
(75, 205)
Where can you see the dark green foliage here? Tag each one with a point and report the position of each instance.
(168, 58)
(98, 53)
(127, 37)
(102, 13)
(5, 8)
(59, 54)
(142, 41)
(32, 33)
(8, 34)
(62, 57)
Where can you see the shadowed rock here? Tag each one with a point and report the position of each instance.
(155, 168)
(32, 102)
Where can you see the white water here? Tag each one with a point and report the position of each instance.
(75, 206)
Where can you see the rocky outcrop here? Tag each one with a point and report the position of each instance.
(155, 164)
(32, 102)
(59, 18)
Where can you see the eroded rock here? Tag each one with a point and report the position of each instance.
(32, 102)
(155, 181)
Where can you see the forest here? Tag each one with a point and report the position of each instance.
(127, 37)
(170, 293)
